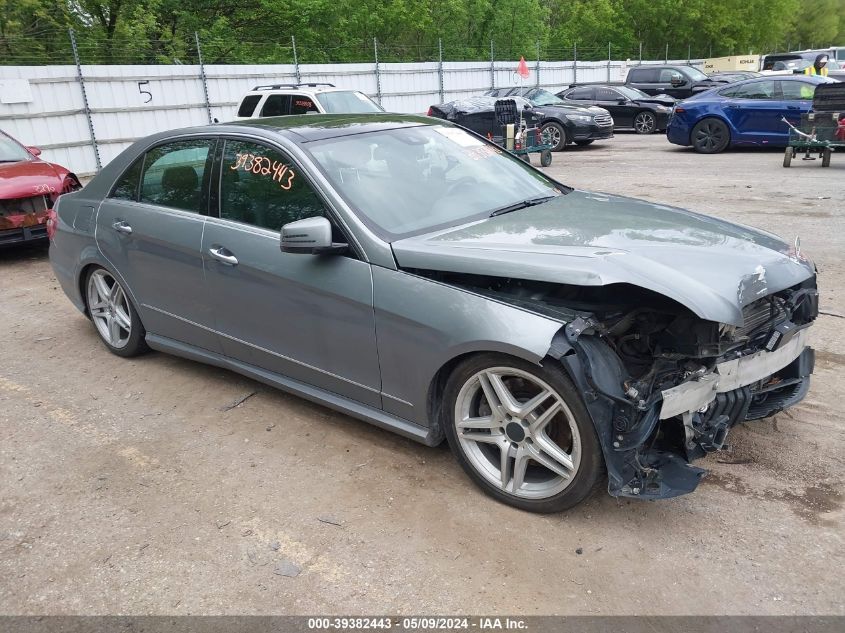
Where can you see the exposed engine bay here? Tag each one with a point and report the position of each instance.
(663, 386)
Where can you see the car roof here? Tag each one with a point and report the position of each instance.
(805, 54)
(598, 84)
(316, 127)
(816, 79)
(659, 66)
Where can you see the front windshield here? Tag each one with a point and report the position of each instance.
(11, 151)
(632, 93)
(696, 75)
(347, 102)
(543, 98)
(413, 180)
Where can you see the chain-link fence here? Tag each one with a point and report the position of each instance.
(82, 112)
(51, 48)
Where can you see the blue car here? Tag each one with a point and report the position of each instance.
(747, 112)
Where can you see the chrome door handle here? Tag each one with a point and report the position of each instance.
(122, 227)
(223, 255)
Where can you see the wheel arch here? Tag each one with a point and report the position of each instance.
(437, 384)
(82, 277)
(713, 115)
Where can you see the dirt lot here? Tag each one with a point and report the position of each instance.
(128, 487)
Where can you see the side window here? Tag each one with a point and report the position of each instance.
(580, 94)
(300, 104)
(174, 174)
(126, 187)
(607, 94)
(276, 105)
(668, 74)
(248, 105)
(643, 75)
(731, 92)
(756, 90)
(262, 187)
(797, 90)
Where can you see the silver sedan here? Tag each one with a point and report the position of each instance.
(414, 275)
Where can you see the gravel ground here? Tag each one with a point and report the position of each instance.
(130, 486)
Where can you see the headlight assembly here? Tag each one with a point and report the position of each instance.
(581, 118)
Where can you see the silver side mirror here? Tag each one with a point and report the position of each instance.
(310, 236)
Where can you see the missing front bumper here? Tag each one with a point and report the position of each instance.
(731, 375)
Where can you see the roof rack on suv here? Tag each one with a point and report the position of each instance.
(280, 86)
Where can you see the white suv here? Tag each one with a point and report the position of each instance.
(285, 99)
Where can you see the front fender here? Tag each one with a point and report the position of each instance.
(434, 323)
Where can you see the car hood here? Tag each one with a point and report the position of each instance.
(22, 179)
(710, 266)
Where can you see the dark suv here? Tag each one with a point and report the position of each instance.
(565, 122)
(680, 82)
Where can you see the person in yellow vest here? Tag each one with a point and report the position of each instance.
(819, 67)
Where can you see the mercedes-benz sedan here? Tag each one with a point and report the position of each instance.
(413, 275)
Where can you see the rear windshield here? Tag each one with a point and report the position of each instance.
(347, 102)
(248, 105)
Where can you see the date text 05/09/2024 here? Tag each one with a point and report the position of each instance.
(425, 623)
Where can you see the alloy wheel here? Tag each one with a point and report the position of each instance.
(554, 135)
(644, 123)
(517, 433)
(109, 308)
(710, 136)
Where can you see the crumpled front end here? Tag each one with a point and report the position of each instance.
(666, 388)
(24, 219)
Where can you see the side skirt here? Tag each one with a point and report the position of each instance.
(377, 417)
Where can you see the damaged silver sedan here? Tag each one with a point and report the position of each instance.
(413, 275)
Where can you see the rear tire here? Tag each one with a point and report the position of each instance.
(557, 134)
(114, 317)
(710, 136)
(545, 158)
(787, 156)
(826, 158)
(521, 432)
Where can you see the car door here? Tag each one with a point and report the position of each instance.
(753, 111)
(306, 317)
(620, 108)
(797, 99)
(673, 82)
(150, 230)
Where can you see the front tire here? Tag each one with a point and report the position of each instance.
(788, 154)
(115, 319)
(521, 432)
(557, 135)
(644, 122)
(710, 136)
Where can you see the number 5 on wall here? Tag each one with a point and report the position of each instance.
(145, 92)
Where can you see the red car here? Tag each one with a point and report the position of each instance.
(28, 188)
